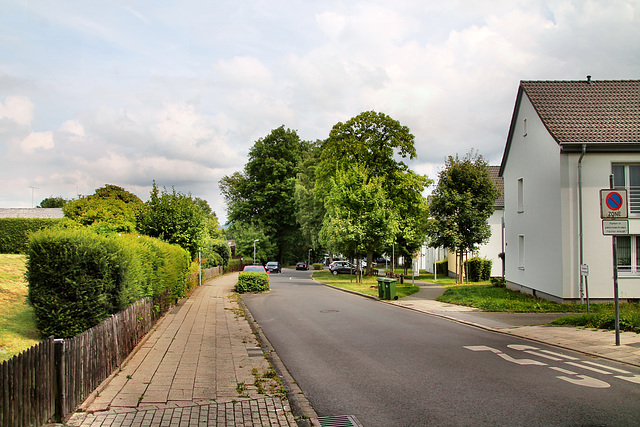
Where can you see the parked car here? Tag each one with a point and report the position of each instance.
(338, 267)
(254, 269)
(273, 267)
(302, 266)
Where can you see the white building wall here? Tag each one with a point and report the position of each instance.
(492, 249)
(533, 157)
(598, 255)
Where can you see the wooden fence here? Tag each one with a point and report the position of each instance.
(51, 379)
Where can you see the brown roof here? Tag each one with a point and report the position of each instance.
(588, 111)
(494, 173)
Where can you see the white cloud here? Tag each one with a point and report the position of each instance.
(37, 141)
(18, 109)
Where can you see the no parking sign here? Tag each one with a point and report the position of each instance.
(613, 204)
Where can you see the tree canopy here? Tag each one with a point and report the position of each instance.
(461, 204)
(264, 192)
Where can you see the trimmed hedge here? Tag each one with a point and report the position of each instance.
(442, 268)
(252, 282)
(479, 269)
(317, 266)
(15, 232)
(77, 277)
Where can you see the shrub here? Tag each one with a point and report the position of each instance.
(479, 269)
(77, 277)
(252, 282)
(498, 282)
(317, 266)
(442, 267)
(15, 232)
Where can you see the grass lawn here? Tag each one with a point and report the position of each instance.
(17, 322)
(369, 285)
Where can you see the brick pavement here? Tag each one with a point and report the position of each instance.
(200, 365)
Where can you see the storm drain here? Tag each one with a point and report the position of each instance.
(339, 421)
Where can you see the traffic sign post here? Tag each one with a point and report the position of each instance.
(613, 208)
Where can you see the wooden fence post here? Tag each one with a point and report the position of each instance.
(58, 379)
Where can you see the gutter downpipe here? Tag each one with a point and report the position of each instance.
(584, 284)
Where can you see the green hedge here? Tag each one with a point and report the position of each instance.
(317, 266)
(442, 268)
(252, 282)
(479, 269)
(15, 232)
(77, 278)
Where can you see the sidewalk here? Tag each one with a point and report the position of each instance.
(200, 365)
(529, 325)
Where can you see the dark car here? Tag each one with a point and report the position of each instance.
(302, 266)
(254, 269)
(337, 267)
(273, 267)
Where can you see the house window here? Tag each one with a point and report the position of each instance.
(628, 177)
(628, 254)
(520, 195)
(521, 252)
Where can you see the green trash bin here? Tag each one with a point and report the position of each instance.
(381, 281)
(390, 289)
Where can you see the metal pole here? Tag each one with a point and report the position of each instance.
(199, 266)
(614, 242)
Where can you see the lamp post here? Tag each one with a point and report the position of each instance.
(254, 250)
(309, 258)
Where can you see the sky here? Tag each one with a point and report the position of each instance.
(127, 92)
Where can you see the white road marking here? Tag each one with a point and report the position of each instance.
(634, 379)
(605, 367)
(563, 371)
(585, 381)
(589, 368)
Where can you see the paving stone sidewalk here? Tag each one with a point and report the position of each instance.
(201, 365)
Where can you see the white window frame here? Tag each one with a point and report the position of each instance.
(520, 195)
(633, 192)
(632, 270)
(521, 252)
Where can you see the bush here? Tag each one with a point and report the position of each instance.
(498, 282)
(317, 266)
(442, 268)
(15, 232)
(252, 282)
(479, 269)
(77, 277)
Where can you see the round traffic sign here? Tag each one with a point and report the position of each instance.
(614, 201)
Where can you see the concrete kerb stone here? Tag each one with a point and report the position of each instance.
(302, 410)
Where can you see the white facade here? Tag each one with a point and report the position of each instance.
(542, 214)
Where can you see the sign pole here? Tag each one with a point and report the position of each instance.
(615, 278)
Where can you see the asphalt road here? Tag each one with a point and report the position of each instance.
(390, 366)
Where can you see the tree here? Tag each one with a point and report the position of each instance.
(358, 219)
(175, 218)
(264, 192)
(109, 209)
(461, 204)
(377, 142)
(310, 211)
(52, 202)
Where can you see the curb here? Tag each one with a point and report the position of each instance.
(301, 408)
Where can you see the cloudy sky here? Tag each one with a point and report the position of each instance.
(127, 92)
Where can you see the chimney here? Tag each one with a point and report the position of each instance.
(589, 82)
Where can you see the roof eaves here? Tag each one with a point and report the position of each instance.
(512, 126)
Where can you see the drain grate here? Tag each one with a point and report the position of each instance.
(339, 421)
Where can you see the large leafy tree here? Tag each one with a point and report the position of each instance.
(264, 192)
(461, 204)
(109, 209)
(174, 217)
(358, 219)
(310, 211)
(377, 143)
(53, 202)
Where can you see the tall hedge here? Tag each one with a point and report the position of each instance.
(15, 232)
(479, 269)
(77, 278)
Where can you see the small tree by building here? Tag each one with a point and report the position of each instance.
(461, 205)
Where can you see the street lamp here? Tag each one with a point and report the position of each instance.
(309, 259)
(254, 250)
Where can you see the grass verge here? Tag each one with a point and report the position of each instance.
(17, 321)
(369, 285)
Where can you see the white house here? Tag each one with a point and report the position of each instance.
(565, 140)
(490, 250)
